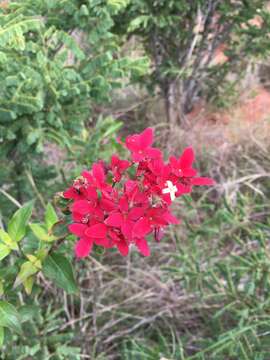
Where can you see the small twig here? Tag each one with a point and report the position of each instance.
(66, 308)
(33, 184)
(243, 179)
(11, 198)
(1, 222)
(143, 322)
(74, 321)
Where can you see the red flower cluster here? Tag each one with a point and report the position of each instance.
(110, 207)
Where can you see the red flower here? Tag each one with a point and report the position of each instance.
(118, 167)
(183, 173)
(97, 177)
(119, 240)
(183, 165)
(140, 146)
(134, 206)
(80, 190)
(88, 236)
(83, 211)
(125, 218)
(153, 218)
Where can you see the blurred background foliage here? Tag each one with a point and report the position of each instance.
(75, 74)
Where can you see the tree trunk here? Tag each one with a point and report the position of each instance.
(177, 105)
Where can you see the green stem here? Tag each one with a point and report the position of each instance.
(33, 184)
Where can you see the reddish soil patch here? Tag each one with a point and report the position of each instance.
(256, 107)
(253, 106)
(250, 118)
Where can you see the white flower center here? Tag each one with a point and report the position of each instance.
(171, 189)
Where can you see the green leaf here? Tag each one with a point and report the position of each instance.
(112, 129)
(27, 270)
(7, 240)
(84, 11)
(1, 287)
(41, 233)
(58, 269)
(28, 312)
(33, 136)
(28, 284)
(9, 317)
(138, 22)
(2, 336)
(51, 217)
(4, 251)
(7, 115)
(17, 224)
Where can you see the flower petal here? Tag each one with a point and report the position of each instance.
(202, 181)
(141, 228)
(114, 219)
(127, 228)
(98, 172)
(187, 158)
(105, 242)
(87, 175)
(146, 138)
(114, 160)
(183, 189)
(123, 247)
(133, 142)
(83, 247)
(135, 213)
(123, 204)
(138, 156)
(124, 164)
(143, 247)
(170, 218)
(77, 229)
(96, 231)
(82, 207)
(107, 205)
(71, 193)
(173, 161)
(153, 153)
(91, 193)
(189, 172)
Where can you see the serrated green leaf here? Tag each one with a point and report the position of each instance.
(18, 223)
(51, 217)
(41, 233)
(9, 317)
(58, 269)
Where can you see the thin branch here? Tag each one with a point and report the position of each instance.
(11, 198)
(33, 184)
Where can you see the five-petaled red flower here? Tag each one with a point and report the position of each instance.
(140, 146)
